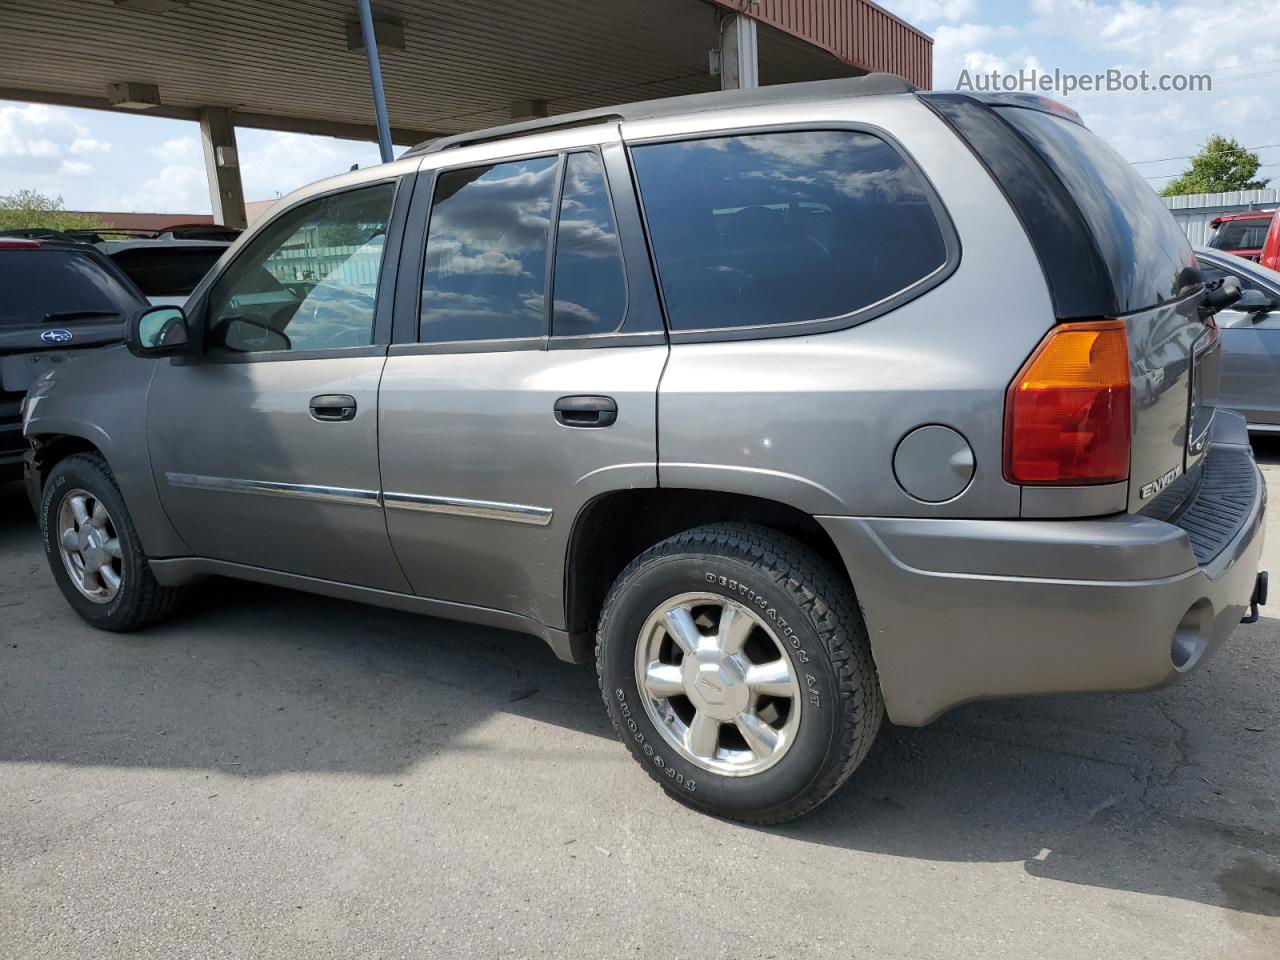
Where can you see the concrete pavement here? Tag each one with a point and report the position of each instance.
(279, 775)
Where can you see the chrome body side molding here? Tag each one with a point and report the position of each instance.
(304, 491)
(454, 506)
(461, 507)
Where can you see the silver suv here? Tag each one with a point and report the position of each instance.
(789, 407)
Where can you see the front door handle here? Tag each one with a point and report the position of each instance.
(586, 411)
(330, 407)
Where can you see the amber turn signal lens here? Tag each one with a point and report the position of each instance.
(1067, 410)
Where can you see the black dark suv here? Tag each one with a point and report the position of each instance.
(58, 298)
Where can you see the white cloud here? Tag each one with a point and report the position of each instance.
(1169, 37)
(927, 11)
(964, 47)
(274, 163)
(177, 150)
(82, 145)
(35, 140)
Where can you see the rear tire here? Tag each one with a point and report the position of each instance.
(759, 720)
(93, 549)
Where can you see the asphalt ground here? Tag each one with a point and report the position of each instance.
(273, 774)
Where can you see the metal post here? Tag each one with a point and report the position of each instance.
(222, 166)
(375, 80)
(739, 65)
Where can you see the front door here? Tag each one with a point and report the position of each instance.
(265, 448)
(521, 391)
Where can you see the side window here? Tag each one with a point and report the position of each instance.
(486, 265)
(1210, 273)
(309, 281)
(590, 287)
(783, 227)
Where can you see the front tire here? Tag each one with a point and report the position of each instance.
(735, 666)
(93, 549)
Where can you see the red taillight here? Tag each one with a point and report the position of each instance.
(1066, 417)
(16, 243)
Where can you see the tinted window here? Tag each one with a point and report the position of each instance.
(163, 271)
(590, 286)
(40, 284)
(1142, 245)
(309, 281)
(783, 227)
(1241, 234)
(486, 265)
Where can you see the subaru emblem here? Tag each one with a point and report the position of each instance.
(56, 336)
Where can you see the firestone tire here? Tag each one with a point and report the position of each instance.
(813, 616)
(138, 600)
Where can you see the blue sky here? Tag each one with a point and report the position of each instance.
(105, 161)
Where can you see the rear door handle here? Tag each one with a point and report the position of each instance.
(586, 411)
(333, 406)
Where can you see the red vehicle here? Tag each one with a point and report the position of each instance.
(1254, 236)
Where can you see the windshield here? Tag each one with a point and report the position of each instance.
(161, 271)
(52, 286)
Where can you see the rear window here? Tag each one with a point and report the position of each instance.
(778, 228)
(54, 285)
(1241, 234)
(1143, 247)
(167, 271)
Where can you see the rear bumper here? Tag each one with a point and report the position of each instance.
(960, 610)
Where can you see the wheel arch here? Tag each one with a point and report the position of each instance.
(53, 442)
(50, 448)
(613, 528)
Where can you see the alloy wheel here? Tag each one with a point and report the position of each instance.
(89, 546)
(717, 683)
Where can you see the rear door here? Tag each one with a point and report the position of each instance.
(524, 376)
(265, 449)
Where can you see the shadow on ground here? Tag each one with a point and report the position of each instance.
(1166, 793)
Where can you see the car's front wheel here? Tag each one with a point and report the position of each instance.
(93, 549)
(735, 666)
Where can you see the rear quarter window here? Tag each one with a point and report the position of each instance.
(770, 229)
(1144, 249)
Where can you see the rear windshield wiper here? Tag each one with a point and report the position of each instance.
(58, 317)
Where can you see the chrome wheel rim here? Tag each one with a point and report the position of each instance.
(89, 546)
(717, 683)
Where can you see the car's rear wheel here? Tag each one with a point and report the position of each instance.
(93, 549)
(735, 665)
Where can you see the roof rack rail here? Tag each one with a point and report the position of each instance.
(872, 84)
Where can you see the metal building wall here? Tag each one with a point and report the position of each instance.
(1193, 211)
(856, 31)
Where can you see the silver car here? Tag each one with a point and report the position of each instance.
(1250, 339)
(791, 408)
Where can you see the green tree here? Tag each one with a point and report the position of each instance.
(1221, 165)
(29, 208)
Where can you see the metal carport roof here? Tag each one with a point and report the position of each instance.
(289, 65)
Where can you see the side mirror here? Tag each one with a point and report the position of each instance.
(252, 336)
(1222, 296)
(1254, 301)
(158, 332)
